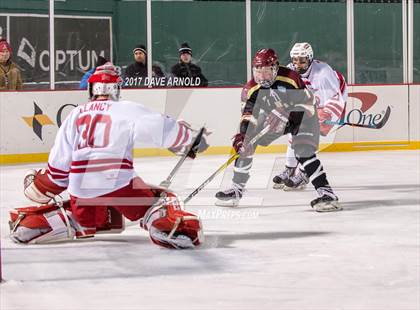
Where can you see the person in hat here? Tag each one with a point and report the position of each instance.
(138, 69)
(185, 68)
(84, 82)
(10, 77)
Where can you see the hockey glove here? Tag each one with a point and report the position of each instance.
(276, 121)
(39, 188)
(241, 144)
(323, 116)
(199, 146)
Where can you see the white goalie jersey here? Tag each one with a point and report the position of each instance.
(328, 86)
(92, 152)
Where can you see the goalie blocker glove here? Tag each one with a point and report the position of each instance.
(198, 145)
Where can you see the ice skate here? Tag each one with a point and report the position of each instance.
(326, 202)
(280, 179)
(296, 182)
(229, 197)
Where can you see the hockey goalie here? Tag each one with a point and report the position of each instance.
(92, 160)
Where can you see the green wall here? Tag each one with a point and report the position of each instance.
(216, 32)
(323, 25)
(378, 42)
(416, 42)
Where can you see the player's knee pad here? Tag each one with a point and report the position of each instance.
(49, 223)
(172, 227)
(303, 152)
(243, 165)
(39, 188)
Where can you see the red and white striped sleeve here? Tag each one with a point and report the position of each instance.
(162, 131)
(336, 104)
(59, 160)
(343, 84)
(183, 136)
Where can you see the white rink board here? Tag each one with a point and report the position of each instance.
(396, 129)
(218, 108)
(16, 137)
(414, 109)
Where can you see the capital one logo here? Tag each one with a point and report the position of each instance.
(359, 116)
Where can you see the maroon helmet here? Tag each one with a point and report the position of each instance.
(265, 66)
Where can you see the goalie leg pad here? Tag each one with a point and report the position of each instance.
(49, 223)
(172, 227)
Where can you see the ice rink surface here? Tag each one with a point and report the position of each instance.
(272, 252)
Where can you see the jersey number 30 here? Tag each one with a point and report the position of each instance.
(94, 131)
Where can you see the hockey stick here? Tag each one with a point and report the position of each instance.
(224, 166)
(167, 182)
(379, 125)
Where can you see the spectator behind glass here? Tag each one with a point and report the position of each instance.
(84, 82)
(137, 71)
(10, 78)
(185, 68)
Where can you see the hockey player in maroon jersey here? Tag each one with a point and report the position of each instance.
(92, 160)
(278, 98)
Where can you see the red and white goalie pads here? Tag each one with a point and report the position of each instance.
(55, 222)
(39, 188)
(172, 227)
(49, 223)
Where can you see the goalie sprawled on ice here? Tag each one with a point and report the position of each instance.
(92, 160)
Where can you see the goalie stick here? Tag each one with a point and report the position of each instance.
(379, 125)
(224, 166)
(167, 182)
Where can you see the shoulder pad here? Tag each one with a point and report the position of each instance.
(290, 77)
(323, 66)
(248, 90)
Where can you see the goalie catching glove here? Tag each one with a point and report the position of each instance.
(39, 188)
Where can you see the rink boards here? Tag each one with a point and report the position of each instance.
(29, 120)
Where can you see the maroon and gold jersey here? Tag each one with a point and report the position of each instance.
(288, 92)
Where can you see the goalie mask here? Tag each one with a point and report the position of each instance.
(301, 56)
(105, 81)
(265, 66)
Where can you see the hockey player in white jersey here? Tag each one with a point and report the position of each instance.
(330, 91)
(92, 159)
